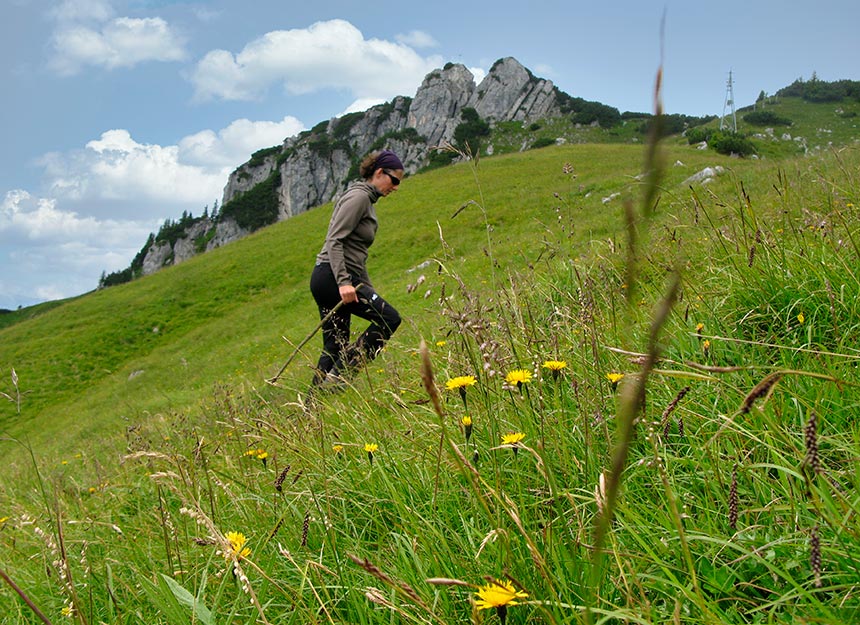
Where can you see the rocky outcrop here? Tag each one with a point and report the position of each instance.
(316, 165)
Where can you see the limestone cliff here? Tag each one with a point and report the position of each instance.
(313, 167)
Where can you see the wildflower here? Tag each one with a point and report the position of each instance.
(441, 343)
(370, 448)
(554, 367)
(467, 426)
(801, 318)
(337, 448)
(699, 328)
(518, 377)
(706, 347)
(614, 378)
(460, 383)
(238, 549)
(68, 611)
(513, 440)
(499, 594)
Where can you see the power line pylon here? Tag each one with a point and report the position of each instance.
(725, 122)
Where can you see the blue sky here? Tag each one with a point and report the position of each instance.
(118, 114)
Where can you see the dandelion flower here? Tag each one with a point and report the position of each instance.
(801, 318)
(555, 365)
(614, 378)
(513, 440)
(441, 343)
(699, 328)
(370, 448)
(238, 549)
(499, 594)
(68, 611)
(461, 382)
(337, 448)
(518, 377)
(467, 426)
(706, 347)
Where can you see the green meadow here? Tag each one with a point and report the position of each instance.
(618, 396)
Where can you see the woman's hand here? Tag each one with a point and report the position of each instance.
(347, 294)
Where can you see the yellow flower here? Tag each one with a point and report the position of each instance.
(337, 448)
(555, 365)
(513, 439)
(467, 426)
(370, 447)
(68, 611)
(801, 318)
(441, 343)
(518, 377)
(614, 378)
(237, 545)
(700, 327)
(461, 381)
(498, 594)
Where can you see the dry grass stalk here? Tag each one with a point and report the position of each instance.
(762, 389)
(811, 434)
(664, 419)
(402, 587)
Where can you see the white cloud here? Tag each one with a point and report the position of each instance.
(478, 73)
(82, 10)
(235, 143)
(417, 39)
(87, 34)
(53, 253)
(332, 54)
(127, 176)
(122, 42)
(362, 104)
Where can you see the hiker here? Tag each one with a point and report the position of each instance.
(340, 274)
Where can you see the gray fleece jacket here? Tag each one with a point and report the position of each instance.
(351, 232)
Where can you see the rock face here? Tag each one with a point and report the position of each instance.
(316, 165)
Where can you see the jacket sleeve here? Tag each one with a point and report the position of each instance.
(345, 217)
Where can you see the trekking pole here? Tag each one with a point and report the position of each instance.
(322, 322)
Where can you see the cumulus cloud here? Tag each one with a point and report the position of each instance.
(417, 39)
(332, 54)
(58, 253)
(86, 34)
(121, 174)
(235, 143)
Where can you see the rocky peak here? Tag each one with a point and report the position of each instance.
(314, 166)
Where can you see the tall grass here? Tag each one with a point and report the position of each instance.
(733, 346)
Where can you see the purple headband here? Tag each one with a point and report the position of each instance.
(387, 160)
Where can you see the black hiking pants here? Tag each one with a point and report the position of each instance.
(338, 355)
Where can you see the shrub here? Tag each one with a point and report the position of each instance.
(726, 142)
(469, 133)
(697, 135)
(256, 207)
(766, 118)
(542, 142)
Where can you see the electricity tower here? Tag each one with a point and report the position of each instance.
(731, 124)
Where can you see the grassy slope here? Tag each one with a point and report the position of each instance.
(559, 252)
(157, 344)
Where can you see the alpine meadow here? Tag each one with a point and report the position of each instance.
(625, 391)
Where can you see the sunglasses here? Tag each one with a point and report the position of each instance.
(394, 179)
